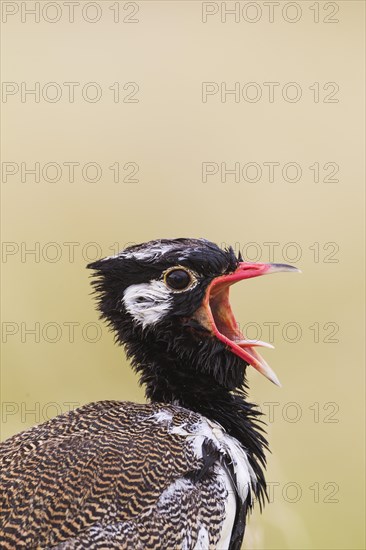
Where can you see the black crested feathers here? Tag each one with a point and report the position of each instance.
(177, 360)
(157, 475)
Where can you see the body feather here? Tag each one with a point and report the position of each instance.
(121, 475)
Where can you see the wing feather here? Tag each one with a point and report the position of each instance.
(109, 475)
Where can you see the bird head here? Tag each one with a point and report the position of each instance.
(168, 303)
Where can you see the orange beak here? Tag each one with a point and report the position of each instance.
(216, 314)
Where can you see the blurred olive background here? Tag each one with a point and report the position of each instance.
(160, 133)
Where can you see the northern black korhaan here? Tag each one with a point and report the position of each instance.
(183, 470)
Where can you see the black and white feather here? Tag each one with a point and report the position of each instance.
(181, 471)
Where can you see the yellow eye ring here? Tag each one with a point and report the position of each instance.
(179, 278)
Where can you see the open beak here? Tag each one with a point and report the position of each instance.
(216, 314)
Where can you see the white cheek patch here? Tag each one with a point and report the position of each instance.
(147, 303)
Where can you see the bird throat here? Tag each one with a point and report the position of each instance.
(199, 392)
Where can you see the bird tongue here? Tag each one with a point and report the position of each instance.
(244, 347)
(257, 361)
(251, 343)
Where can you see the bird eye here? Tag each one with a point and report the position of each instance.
(179, 278)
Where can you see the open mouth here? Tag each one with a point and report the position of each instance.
(216, 315)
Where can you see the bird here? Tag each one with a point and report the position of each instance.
(180, 471)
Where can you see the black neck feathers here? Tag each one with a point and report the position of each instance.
(165, 381)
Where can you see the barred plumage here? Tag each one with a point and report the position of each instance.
(115, 475)
(179, 473)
